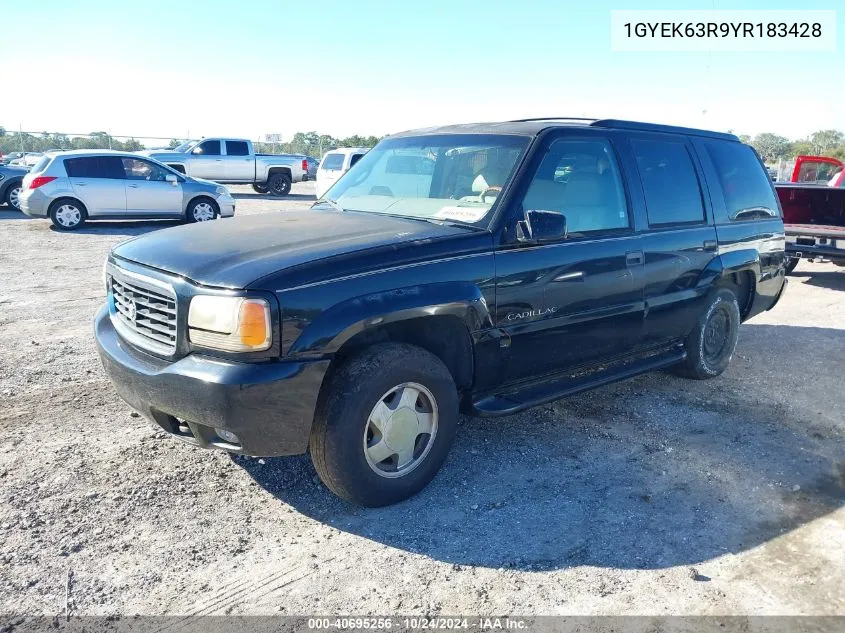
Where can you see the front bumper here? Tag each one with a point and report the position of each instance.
(269, 406)
(226, 205)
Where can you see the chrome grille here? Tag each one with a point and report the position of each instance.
(143, 310)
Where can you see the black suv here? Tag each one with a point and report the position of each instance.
(482, 268)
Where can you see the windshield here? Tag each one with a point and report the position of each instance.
(185, 147)
(447, 177)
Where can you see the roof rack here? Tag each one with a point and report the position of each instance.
(633, 125)
(656, 127)
(553, 118)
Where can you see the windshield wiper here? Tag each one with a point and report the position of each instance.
(332, 203)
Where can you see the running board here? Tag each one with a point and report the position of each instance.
(510, 402)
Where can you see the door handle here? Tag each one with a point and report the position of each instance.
(710, 245)
(79, 184)
(634, 258)
(573, 276)
(218, 160)
(132, 186)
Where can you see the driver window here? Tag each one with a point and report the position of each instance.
(142, 170)
(581, 180)
(208, 148)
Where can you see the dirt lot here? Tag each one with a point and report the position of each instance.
(653, 496)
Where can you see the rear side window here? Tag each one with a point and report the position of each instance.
(41, 165)
(670, 184)
(95, 167)
(355, 158)
(208, 148)
(237, 148)
(745, 186)
(332, 161)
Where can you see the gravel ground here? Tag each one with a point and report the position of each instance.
(653, 496)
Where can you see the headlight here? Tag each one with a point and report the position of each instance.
(230, 324)
(222, 191)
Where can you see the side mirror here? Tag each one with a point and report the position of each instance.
(173, 179)
(541, 226)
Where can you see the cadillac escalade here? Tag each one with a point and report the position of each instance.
(482, 268)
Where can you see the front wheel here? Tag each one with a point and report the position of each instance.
(712, 342)
(384, 425)
(279, 184)
(13, 196)
(202, 210)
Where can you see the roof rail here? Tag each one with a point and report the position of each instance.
(553, 118)
(656, 127)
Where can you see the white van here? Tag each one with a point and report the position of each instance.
(336, 163)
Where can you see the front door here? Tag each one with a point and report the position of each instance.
(577, 300)
(239, 166)
(147, 191)
(207, 161)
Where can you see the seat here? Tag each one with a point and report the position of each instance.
(590, 202)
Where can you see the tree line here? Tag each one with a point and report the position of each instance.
(308, 143)
(772, 147)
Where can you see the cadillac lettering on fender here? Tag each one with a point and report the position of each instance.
(513, 316)
(482, 268)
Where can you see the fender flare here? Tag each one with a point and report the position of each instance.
(333, 327)
(728, 263)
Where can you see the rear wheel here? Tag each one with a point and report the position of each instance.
(264, 188)
(712, 342)
(13, 196)
(791, 263)
(385, 423)
(202, 210)
(67, 214)
(279, 184)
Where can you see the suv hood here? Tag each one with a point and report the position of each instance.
(232, 253)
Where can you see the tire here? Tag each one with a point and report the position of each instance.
(13, 194)
(202, 210)
(260, 188)
(279, 184)
(791, 263)
(712, 342)
(67, 214)
(343, 424)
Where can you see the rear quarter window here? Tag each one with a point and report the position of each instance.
(41, 165)
(332, 161)
(745, 185)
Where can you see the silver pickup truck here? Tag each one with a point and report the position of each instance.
(234, 161)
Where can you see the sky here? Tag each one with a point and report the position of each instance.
(343, 67)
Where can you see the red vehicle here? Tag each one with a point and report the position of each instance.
(810, 169)
(814, 214)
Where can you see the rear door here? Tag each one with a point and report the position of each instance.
(239, 166)
(207, 161)
(678, 234)
(147, 191)
(98, 181)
